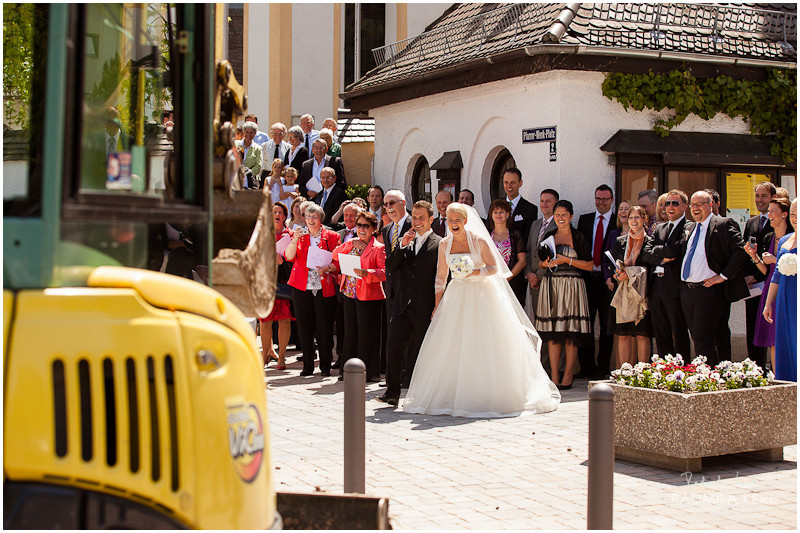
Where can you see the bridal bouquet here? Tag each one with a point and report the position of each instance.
(669, 373)
(787, 266)
(461, 266)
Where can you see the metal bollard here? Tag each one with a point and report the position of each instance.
(601, 458)
(355, 382)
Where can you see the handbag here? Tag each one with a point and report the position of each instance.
(284, 291)
(545, 253)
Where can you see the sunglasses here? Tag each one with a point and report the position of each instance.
(363, 226)
(672, 203)
(389, 202)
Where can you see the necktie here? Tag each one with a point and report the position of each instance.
(395, 236)
(669, 229)
(277, 151)
(307, 148)
(414, 245)
(112, 146)
(687, 266)
(761, 224)
(350, 234)
(598, 242)
(324, 197)
(542, 230)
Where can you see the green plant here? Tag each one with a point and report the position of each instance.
(360, 191)
(769, 105)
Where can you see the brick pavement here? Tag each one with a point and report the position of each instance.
(529, 472)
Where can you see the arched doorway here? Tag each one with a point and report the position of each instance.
(502, 162)
(421, 180)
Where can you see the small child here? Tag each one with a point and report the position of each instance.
(289, 191)
(275, 181)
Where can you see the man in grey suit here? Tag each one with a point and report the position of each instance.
(533, 273)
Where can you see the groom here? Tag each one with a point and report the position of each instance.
(412, 301)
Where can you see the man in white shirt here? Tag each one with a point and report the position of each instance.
(711, 275)
(274, 148)
(375, 201)
(307, 125)
(260, 137)
(539, 228)
(523, 212)
(595, 227)
(443, 199)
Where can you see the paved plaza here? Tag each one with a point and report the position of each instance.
(528, 472)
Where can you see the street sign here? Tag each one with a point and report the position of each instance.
(535, 135)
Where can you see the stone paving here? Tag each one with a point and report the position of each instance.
(529, 472)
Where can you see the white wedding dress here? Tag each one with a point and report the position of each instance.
(480, 357)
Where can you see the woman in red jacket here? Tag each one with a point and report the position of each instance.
(363, 296)
(313, 290)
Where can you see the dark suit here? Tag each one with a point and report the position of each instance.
(389, 284)
(336, 197)
(439, 226)
(705, 308)
(669, 324)
(752, 305)
(346, 326)
(411, 307)
(532, 265)
(599, 303)
(299, 158)
(528, 213)
(307, 173)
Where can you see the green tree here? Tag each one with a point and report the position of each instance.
(18, 24)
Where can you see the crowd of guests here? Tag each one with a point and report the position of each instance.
(665, 268)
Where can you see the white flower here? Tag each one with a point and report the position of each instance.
(677, 375)
(461, 266)
(787, 265)
(699, 360)
(671, 377)
(714, 376)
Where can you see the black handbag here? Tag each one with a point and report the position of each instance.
(545, 253)
(284, 291)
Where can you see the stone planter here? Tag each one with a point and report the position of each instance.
(675, 431)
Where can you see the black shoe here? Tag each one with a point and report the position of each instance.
(387, 399)
(326, 373)
(382, 383)
(341, 377)
(335, 364)
(564, 387)
(306, 373)
(300, 358)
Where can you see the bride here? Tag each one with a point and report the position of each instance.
(480, 356)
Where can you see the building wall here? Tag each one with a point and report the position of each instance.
(419, 15)
(480, 121)
(357, 158)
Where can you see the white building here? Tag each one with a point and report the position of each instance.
(487, 78)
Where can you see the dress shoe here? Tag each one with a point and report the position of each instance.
(341, 377)
(326, 373)
(387, 399)
(564, 387)
(382, 383)
(280, 367)
(306, 373)
(335, 364)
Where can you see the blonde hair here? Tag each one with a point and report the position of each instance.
(457, 208)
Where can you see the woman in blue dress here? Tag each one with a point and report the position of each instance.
(783, 294)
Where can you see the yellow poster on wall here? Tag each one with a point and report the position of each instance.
(739, 190)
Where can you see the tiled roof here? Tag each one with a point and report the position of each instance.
(469, 32)
(354, 130)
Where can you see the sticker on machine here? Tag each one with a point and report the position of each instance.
(246, 439)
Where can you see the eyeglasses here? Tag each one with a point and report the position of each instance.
(672, 203)
(698, 204)
(601, 199)
(388, 203)
(364, 226)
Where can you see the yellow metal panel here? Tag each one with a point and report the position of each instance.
(8, 312)
(214, 489)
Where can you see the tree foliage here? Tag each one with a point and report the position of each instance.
(18, 24)
(769, 106)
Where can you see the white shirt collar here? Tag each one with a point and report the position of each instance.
(677, 221)
(402, 221)
(329, 189)
(607, 216)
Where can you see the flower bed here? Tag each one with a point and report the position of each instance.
(657, 426)
(670, 373)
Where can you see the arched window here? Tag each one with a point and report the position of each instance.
(502, 162)
(421, 181)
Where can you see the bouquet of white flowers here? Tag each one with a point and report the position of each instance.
(461, 266)
(787, 266)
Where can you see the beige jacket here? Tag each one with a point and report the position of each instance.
(630, 300)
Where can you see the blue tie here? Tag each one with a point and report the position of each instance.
(687, 266)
